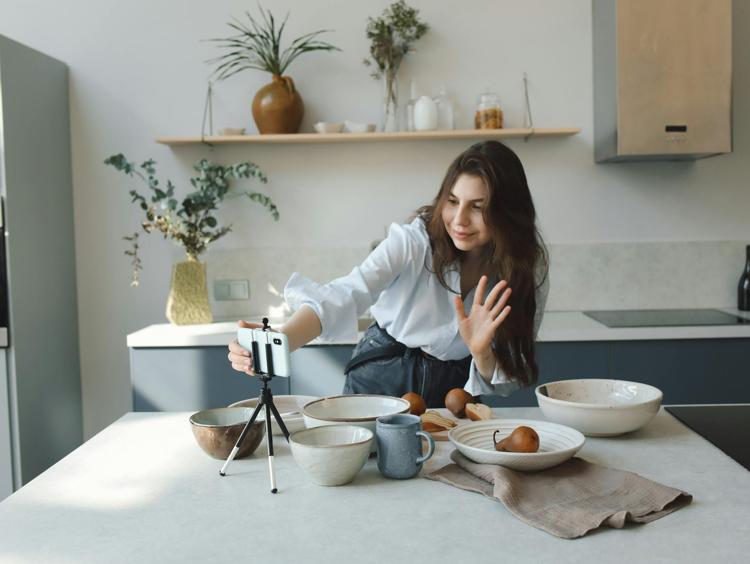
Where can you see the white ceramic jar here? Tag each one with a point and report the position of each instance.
(425, 114)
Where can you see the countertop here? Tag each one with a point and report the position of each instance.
(142, 491)
(557, 326)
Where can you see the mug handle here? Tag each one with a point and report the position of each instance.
(431, 448)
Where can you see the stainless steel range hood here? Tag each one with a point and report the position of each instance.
(662, 79)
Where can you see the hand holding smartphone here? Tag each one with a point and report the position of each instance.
(276, 342)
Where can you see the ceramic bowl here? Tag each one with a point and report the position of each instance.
(290, 409)
(232, 131)
(356, 127)
(217, 431)
(328, 127)
(332, 455)
(358, 409)
(557, 443)
(599, 407)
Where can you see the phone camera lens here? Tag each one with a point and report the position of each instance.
(277, 341)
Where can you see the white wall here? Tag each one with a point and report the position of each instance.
(138, 72)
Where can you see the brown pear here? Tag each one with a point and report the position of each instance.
(522, 439)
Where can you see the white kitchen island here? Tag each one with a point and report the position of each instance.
(142, 491)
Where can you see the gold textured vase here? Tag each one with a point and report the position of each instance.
(188, 294)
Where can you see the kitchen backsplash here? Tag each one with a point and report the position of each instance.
(640, 275)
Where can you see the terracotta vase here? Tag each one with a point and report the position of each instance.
(188, 294)
(277, 107)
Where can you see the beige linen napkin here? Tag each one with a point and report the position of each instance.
(568, 500)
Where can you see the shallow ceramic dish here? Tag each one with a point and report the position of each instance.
(357, 409)
(356, 127)
(217, 431)
(332, 455)
(599, 407)
(328, 127)
(232, 131)
(290, 409)
(557, 443)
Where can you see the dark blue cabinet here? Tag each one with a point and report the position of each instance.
(687, 371)
(559, 361)
(190, 379)
(690, 371)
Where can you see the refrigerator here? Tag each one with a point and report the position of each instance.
(40, 385)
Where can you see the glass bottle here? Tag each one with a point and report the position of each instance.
(410, 106)
(743, 288)
(390, 101)
(445, 110)
(488, 114)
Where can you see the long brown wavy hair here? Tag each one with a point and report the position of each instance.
(516, 252)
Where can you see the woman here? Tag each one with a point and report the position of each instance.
(457, 294)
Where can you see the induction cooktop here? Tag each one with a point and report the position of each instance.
(665, 317)
(723, 425)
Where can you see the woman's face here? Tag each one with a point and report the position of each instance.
(463, 213)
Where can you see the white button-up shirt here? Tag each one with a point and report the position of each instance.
(405, 298)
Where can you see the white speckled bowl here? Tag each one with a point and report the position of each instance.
(557, 443)
(356, 409)
(332, 455)
(599, 407)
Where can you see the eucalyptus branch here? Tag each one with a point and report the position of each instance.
(190, 223)
(392, 36)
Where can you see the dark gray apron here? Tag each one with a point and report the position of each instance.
(382, 365)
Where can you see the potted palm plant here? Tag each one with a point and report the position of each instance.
(277, 106)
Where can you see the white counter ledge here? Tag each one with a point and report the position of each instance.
(557, 326)
(142, 491)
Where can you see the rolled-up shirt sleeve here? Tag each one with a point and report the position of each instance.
(340, 302)
(501, 384)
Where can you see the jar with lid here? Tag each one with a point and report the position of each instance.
(488, 114)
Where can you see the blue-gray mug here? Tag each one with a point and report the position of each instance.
(400, 446)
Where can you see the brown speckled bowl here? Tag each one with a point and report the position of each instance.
(217, 431)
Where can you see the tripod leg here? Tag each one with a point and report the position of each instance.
(279, 421)
(241, 438)
(269, 435)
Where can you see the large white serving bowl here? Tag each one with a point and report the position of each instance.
(289, 407)
(357, 409)
(557, 443)
(599, 407)
(332, 455)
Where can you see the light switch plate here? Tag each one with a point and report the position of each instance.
(226, 290)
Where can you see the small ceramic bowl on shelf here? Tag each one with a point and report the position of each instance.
(328, 127)
(228, 131)
(357, 127)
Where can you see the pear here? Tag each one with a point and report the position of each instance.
(522, 439)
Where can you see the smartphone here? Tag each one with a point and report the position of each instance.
(279, 344)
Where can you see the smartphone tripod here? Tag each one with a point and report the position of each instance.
(264, 400)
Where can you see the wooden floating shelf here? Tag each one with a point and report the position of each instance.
(288, 138)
